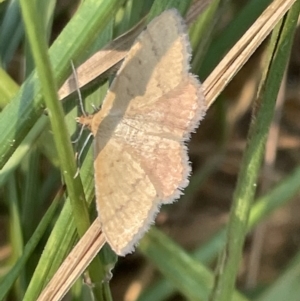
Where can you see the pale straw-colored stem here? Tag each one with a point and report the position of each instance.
(243, 49)
(75, 264)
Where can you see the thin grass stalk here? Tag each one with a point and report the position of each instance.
(61, 136)
(16, 234)
(281, 194)
(14, 273)
(56, 115)
(278, 52)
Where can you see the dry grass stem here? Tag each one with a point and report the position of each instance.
(102, 61)
(243, 49)
(75, 264)
(112, 54)
(268, 172)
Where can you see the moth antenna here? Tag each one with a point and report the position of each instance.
(77, 89)
(82, 127)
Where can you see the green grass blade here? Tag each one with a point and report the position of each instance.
(11, 32)
(61, 136)
(263, 207)
(7, 282)
(26, 107)
(189, 276)
(66, 156)
(228, 37)
(8, 88)
(62, 238)
(26, 145)
(201, 32)
(286, 287)
(279, 50)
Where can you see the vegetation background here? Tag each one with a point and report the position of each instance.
(188, 255)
